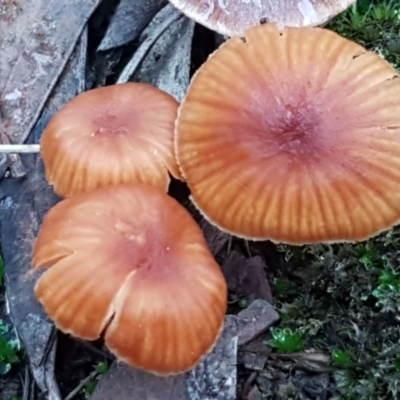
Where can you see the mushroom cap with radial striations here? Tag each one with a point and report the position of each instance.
(128, 262)
(294, 136)
(115, 134)
(233, 17)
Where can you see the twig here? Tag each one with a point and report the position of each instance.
(246, 386)
(19, 148)
(95, 350)
(229, 245)
(49, 345)
(26, 384)
(81, 385)
(247, 247)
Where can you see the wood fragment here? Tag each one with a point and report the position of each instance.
(19, 148)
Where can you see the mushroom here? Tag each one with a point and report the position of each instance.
(115, 134)
(232, 18)
(128, 262)
(293, 135)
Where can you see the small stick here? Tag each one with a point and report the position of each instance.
(19, 148)
(81, 385)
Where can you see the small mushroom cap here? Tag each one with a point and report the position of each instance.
(293, 135)
(129, 262)
(115, 134)
(232, 17)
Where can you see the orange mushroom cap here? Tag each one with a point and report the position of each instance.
(129, 262)
(115, 134)
(232, 18)
(293, 135)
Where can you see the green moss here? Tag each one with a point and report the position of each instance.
(347, 301)
(9, 349)
(373, 24)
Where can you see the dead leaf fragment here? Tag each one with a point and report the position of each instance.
(130, 18)
(163, 56)
(246, 277)
(22, 207)
(36, 41)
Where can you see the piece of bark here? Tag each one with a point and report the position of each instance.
(253, 361)
(254, 394)
(23, 205)
(20, 217)
(247, 277)
(37, 38)
(130, 18)
(213, 378)
(255, 319)
(163, 56)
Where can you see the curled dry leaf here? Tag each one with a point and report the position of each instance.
(163, 58)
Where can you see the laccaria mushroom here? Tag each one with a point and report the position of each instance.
(232, 17)
(115, 134)
(128, 262)
(293, 135)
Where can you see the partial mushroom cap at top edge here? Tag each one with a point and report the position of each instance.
(299, 147)
(129, 263)
(232, 17)
(116, 134)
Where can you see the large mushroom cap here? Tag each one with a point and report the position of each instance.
(293, 136)
(233, 17)
(130, 263)
(115, 134)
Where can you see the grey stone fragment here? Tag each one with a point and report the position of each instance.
(255, 319)
(125, 383)
(213, 378)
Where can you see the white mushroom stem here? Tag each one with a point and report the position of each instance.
(19, 148)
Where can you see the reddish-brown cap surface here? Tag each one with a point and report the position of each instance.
(294, 136)
(232, 18)
(130, 263)
(115, 134)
